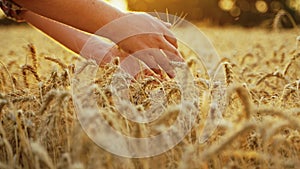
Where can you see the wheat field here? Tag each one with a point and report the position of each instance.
(260, 126)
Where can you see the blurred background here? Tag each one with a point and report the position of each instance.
(247, 13)
(226, 12)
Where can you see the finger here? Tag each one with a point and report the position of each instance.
(172, 40)
(130, 65)
(171, 52)
(136, 68)
(115, 50)
(164, 63)
(174, 57)
(145, 71)
(148, 59)
(166, 24)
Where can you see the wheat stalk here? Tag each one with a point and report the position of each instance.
(215, 149)
(49, 97)
(11, 63)
(228, 73)
(275, 74)
(248, 55)
(285, 114)
(279, 15)
(288, 89)
(7, 145)
(9, 75)
(25, 77)
(2, 80)
(244, 97)
(23, 99)
(287, 67)
(58, 61)
(42, 154)
(33, 55)
(52, 137)
(32, 70)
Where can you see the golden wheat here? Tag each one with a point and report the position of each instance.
(259, 127)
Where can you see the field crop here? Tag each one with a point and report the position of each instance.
(259, 129)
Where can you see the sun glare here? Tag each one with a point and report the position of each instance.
(1, 14)
(294, 4)
(226, 5)
(261, 6)
(120, 4)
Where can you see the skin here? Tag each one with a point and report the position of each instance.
(75, 40)
(154, 35)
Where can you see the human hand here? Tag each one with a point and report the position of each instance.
(146, 38)
(87, 45)
(104, 53)
(138, 34)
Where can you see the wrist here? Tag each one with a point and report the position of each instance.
(108, 14)
(123, 27)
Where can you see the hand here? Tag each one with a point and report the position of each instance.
(146, 38)
(87, 45)
(139, 34)
(104, 53)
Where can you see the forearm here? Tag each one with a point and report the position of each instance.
(87, 15)
(71, 38)
(66, 35)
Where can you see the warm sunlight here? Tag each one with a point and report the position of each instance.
(226, 5)
(1, 14)
(120, 4)
(149, 84)
(261, 6)
(294, 4)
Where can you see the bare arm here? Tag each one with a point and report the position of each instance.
(152, 36)
(74, 39)
(87, 45)
(86, 15)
